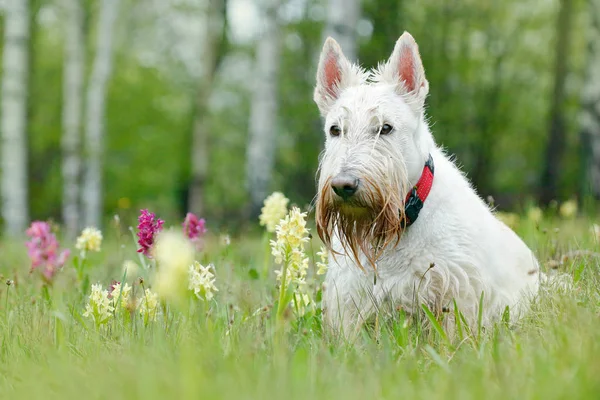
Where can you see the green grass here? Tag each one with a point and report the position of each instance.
(47, 350)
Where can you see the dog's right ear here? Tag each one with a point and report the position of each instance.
(334, 74)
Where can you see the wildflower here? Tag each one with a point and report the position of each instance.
(99, 307)
(202, 281)
(130, 268)
(274, 209)
(120, 291)
(89, 240)
(568, 209)
(43, 250)
(225, 240)
(322, 264)
(148, 227)
(148, 306)
(174, 254)
(288, 249)
(595, 230)
(535, 214)
(194, 228)
(302, 304)
(510, 219)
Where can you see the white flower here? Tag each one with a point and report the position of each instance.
(148, 306)
(535, 214)
(89, 240)
(595, 230)
(288, 249)
(274, 209)
(99, 306)
(121, 292)
(322, 264)
(174, 254)
(131, 269)
(202, 281)
(302, 304)
(568, 209)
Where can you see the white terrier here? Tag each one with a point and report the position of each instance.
(403, 224)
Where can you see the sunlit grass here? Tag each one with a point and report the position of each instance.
(229, 348)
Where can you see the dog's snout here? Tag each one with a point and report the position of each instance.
(345, 185)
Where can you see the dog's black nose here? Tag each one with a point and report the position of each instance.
(344, 185)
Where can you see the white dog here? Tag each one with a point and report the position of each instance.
(403, 224)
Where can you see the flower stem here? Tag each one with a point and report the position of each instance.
(282, 290)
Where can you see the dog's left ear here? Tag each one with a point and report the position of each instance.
(405, 70)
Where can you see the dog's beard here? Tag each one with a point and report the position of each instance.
(367, 224)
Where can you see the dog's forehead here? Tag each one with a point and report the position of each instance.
(368, 102)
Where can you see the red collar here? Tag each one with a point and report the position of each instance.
(418, 194)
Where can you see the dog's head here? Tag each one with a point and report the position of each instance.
(376, 142)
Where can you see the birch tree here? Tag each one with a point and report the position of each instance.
(95, 113)
(557, 129)
(15, 65)
(73, 86)
(213, 21)
(263, 112)
(342, 18)
(590, 102)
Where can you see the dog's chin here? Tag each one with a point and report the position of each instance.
(353, 211)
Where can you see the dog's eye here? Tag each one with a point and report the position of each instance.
(335, 130)
(386, 129)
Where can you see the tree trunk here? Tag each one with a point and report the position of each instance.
(260, 156)
(342, 18)
(73, 85)
(14, 117)
(557, 134)
(95, 110)
(213, 38)
(590, 102)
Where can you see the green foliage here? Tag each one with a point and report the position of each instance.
(489, 64)
(231, 349)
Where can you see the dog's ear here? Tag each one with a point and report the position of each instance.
(405, 70)
(334, 74)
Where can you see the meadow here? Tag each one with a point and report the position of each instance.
(248, 340)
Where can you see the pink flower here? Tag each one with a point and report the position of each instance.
(148, 227)
(43, 250)
(194, 227)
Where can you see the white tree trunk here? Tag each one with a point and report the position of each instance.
(213, 22)
(73, 85)
(262, 134)
(342, 18)
(95, 110)
(590, 102)
(14, 117)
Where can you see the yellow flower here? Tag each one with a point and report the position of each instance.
(148, 306)
(174, 254)
(99, 307)
(131, 269)
(202, 281)
(568, 209)
(510, 219)
(535, 214)
(123, 292)
(89, 240)
(302, 304)
(322, 265)
(274, 209)
(288, 249)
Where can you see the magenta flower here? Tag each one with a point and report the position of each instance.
(43, 250)
(194, 227)
(148, 227)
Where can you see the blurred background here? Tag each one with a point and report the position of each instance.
(109, 106)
